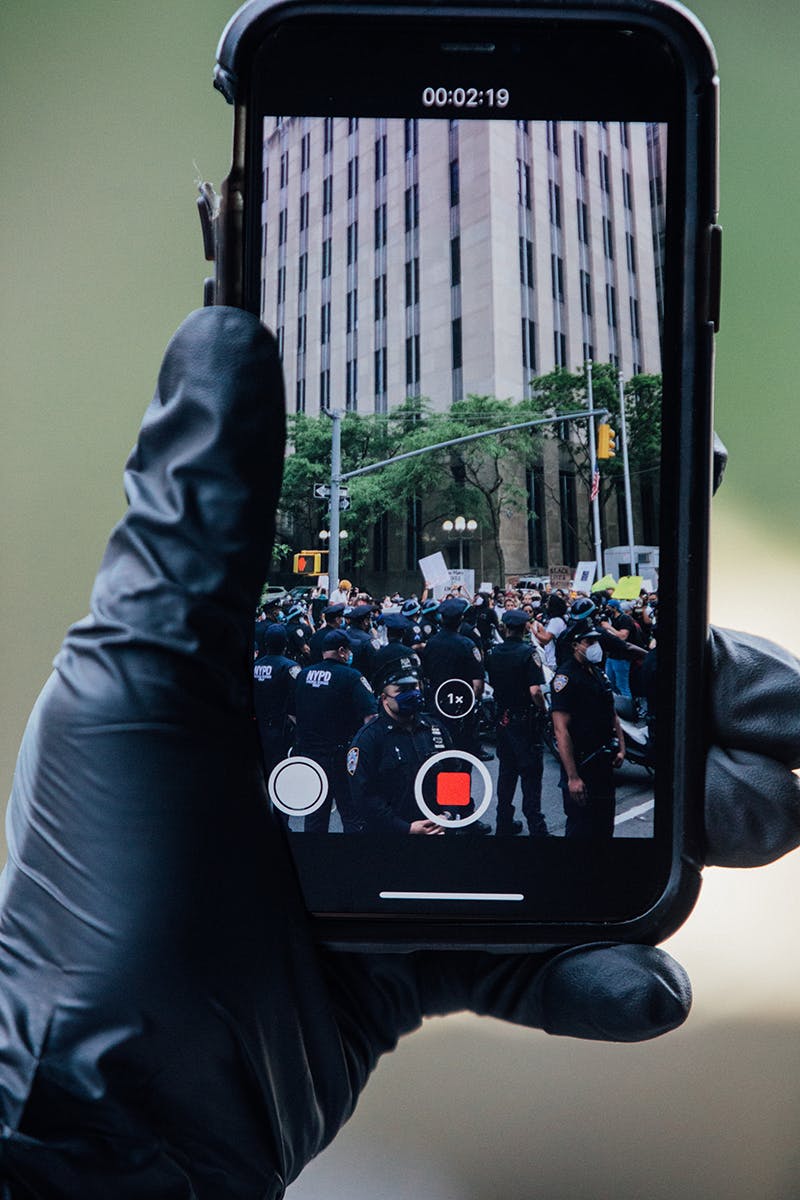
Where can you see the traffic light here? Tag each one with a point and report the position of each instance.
(606, 441)
(308, 562)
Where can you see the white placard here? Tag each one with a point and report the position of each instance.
(434, 570)
(584, 576)
(464, 579)
(486, 586)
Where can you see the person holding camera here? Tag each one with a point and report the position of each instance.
(589, 737)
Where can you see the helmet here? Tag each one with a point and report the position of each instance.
(582, 610)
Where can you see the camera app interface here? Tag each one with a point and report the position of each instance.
(459, 632)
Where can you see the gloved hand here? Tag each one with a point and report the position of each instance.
(167, 1028)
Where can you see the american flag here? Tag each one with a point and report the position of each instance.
(595, 485)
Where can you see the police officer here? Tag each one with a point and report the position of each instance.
(412, 610)
(359, 631)
(589, 737)
(333, 618)
(331, 701)
(468, 627)
(428, 620)
(450, 656)
(396, 648)
(516, 675)
(486, 621)
(298, 633)
(385, 757)
(274, 676)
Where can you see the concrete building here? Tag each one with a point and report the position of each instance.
(446, 258)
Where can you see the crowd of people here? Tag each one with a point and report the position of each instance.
(372, 689)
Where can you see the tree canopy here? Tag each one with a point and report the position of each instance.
(482, 479)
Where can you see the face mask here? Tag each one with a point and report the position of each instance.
(594, 653)
(408, 703)
(349, 658)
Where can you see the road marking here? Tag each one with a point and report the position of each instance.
(634, 812)
(451, 896)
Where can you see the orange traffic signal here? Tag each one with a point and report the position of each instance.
(606, 441)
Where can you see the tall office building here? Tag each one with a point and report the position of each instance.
(445, 258)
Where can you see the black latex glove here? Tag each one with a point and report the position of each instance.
(167, 1028)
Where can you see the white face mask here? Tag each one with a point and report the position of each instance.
(594, 652)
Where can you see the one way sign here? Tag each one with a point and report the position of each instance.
(322, 491)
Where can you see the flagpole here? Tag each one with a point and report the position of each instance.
(627, 477)
(595, 476)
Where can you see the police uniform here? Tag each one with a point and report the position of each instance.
(361, 642)
(382, 764)
(315, 644)
(273, 684)
(299, 635)
(331, 701)
(427, 625)
(449, 655)
(412, 611)
(584, 693)
(514, 668)
(395, 651)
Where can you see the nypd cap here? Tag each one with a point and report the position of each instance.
(400, 671)
(449, 610)
(515, 618)
(335, 639)
(395, 621)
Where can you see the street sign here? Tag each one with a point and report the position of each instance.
(344, 503)
(322, 491)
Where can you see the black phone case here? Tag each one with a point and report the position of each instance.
(690, 438)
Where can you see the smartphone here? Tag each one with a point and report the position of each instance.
(456, 219)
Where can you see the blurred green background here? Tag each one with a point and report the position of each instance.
(108, 118)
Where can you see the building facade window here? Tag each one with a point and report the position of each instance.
(380, 226)
(611, 305)
(352, 310)
(586, 293)
(557, 272)
(411, 201)
(352, 177)
(352, 242)
(583, 222)
(580, 153)
(455, 187)
(455, 342)
(528, 344)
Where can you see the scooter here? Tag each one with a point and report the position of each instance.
(636, 730)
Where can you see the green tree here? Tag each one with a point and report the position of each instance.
(482, 476)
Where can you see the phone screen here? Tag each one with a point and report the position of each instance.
(434, 279)
(482, 630)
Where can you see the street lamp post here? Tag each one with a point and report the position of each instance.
(460, 525)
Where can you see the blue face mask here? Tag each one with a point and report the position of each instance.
(349, 659)
(408, 703)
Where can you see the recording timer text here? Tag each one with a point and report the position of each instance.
(465, 97)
